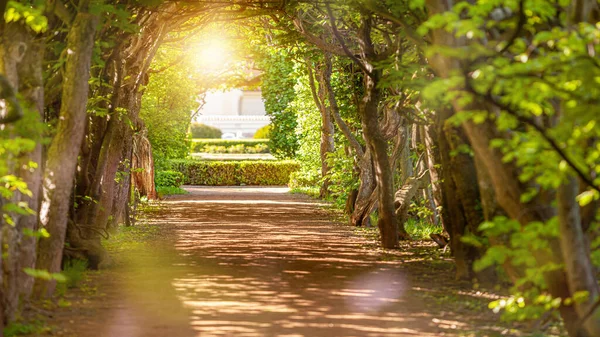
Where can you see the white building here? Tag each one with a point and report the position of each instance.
(235, 112)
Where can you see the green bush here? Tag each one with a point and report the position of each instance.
(205, 131)
(169, 190)
(230, 145)
(168, 178)
(263, 133)
(227, 173)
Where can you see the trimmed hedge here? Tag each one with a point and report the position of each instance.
(199, 130)
(240, 148)
(264, 132)
(230, 145)
(168, 178)
(231, 173)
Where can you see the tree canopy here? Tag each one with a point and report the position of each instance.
(478, 116)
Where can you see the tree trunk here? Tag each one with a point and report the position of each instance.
(132, 61)
(491, 209)
(427, 183)
(406, 164)
(31, 89)
(453, 217)
(327, 130)
(123, 189)
(142, 166)
(360, 215)
(92, 218)
(62, 154)
(404, 196)
(387, 223)
(433, 162)
(581, 274)
(21, 62)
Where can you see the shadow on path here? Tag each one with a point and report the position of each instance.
(248, 261)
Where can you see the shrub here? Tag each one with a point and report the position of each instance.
(230, 145)
(74, 271)
(239, 148)
(205, 131)
(214, 149)
(224, 173)
(263, 133)
(163, 191)
(168, 178)
(258, 148)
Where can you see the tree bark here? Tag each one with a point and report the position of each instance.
(433, 162)
(406, 164)
(362, 206)
(21, 62)
(132, 61)
(327, 130)
(123, 189)
(31, 89)
(142, 166)
(580, 272)
(453, 217)
(360, 215)
(404, 196)
(427, 183)
(62, 154)
(387, 222)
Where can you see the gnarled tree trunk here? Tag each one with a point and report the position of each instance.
(360, 210)
(142, 166)
(132, 61)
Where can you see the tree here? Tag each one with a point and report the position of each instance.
(62, 154)
(278, 91)
(501, 120)
(21, 53)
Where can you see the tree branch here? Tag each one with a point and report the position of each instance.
(527, 121)
(340, 39)
(318, 42)
(313, 87)
(520, 24)
(335, 110)
(410, 32)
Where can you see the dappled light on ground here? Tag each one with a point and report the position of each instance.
(272, 264)
(250, 262)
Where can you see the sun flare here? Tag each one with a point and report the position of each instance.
(213, 55)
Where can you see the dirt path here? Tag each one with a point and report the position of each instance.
(245, 261)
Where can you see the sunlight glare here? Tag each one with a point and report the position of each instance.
(213, 55)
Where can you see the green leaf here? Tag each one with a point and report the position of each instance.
(587, 197)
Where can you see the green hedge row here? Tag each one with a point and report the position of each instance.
(240, 148)
(168, 178)
(200, 130)
(229, 173)
(229, 145)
